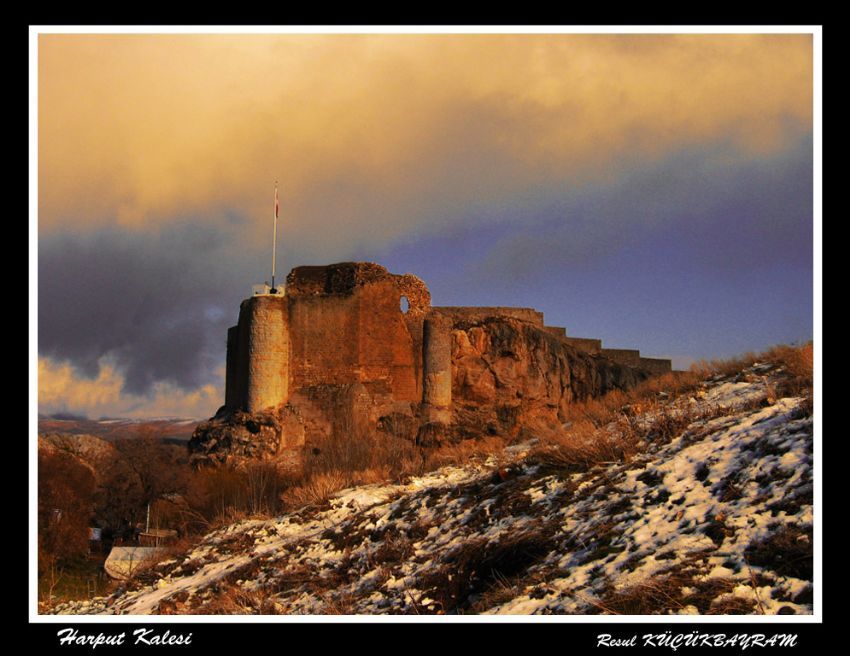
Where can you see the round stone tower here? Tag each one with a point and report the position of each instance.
(267, 326)
(437, 365)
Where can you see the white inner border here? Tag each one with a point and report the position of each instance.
(34, 31)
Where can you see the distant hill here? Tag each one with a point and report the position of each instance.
(171, 428)
(88, 449)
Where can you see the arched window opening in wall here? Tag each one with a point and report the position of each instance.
(405, 304)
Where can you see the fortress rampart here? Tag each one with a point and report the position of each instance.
(340, 343)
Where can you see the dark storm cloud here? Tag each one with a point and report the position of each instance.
(159, 304)
(698, 210)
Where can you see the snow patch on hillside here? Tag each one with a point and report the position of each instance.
(717, 520)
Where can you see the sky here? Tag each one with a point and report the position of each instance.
(653, 191)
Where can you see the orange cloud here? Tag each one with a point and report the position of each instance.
(374, 136)
(60, 389)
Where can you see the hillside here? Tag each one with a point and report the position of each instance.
(710, 513)
(86, 448)
(174, 428)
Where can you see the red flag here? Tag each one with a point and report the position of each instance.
(276, 204)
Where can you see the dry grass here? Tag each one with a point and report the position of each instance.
(665, 593)
(341, 604)
(217, 496)
(799, 366)
(583, 446)
(480, 567)
(344, 460)
(656, 595)
(788, 552)
(364, 451)
(706, 369)
(798, 361)
(231, 600)
(502, 591)
(316, 489)
(645, 396)
(464, 452)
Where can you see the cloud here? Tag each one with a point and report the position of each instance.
(157, 304)
(698, 209)
(62, 390)
(373, 136)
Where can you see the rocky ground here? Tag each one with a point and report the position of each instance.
(713, 515)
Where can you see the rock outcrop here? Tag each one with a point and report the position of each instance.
(510, 374)
(237, 438)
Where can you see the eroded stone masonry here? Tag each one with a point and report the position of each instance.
(336, 356)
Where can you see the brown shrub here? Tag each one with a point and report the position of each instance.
(787, 551)
(220, 495)
(464, 451)
(66, 490)
(725, 367)
(798, 362)
(480, 565)
(235, 600)
(364, 451)
(583, 446)
(316, 489)
(662, 593)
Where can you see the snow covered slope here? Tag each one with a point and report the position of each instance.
(716, 519)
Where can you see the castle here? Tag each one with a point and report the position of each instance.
(353, 341)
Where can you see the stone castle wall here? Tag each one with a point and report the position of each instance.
(338, 346)
(478, 313)
(630, 357)
(592, 346)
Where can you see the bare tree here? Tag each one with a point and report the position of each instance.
(65, 503)
(143, 469)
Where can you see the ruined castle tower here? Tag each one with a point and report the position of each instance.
(336, 325)
(349, 345)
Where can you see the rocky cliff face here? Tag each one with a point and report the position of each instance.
(509, 374)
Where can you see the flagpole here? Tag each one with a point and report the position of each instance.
(274, 235)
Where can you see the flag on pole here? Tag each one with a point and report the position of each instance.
(274, 234)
